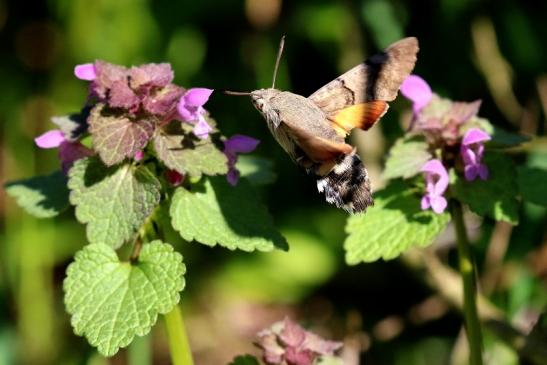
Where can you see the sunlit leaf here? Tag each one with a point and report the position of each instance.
(111, 301)
(393, 225)
(494, 197)
(233, 217)
(112, 201)
(407, 157)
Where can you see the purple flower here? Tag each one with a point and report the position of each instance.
(190, 108)
(234, 145)
(69, 151)
(472, 150)
(288, 343)
(436, 181)
(416, 90)
(202, 129)
(85, 71)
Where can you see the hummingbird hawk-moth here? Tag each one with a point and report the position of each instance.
(313, 130)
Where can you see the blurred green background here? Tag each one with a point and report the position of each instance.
(386, 311)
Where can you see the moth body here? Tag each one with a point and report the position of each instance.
(291, 118)
(313, 130)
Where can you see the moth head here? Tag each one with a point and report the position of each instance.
(261, 98)
(262, 101)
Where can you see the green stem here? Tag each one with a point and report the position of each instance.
(181, 353)
(467, 271)
(139, 352)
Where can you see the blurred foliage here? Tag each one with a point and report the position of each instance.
(490, 50)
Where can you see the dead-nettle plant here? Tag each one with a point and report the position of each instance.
(286, 343)
(143, 155)
(449, 160)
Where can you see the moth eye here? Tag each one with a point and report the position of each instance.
(259, 103)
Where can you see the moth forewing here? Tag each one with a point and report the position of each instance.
(377, 78)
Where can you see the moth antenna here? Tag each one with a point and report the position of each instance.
(278, 59)
(229, 92)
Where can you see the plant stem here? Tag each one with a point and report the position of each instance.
(181, 353)
(137, 247)
(467, 271)
(139, 352)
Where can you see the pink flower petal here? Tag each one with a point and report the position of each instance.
(425, 203)
(197, 96)
(468, 155)
(438, 204)
(436, 168)
(50, 139)
(232, 176)
(471, 172)
(416, 90)
(85, 71)
(184, 113)
(240, 144)
(202, 129)
(139, 155)
(475, 135)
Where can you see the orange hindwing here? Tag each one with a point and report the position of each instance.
(361, 116)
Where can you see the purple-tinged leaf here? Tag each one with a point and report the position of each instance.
(151, 75)
(107, 75)
(115, 136)
(292, 334)
(163, 101)
(122, 96)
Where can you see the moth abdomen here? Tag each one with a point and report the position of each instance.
(347, 185)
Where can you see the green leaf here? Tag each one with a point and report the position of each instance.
(116, 136)
(216, 213)
(329, 360)
(494, 197)
(113, 201)
(245, 360)
(393, 225)
(502, 138)
(531, 182)
(185, 153)
(258, 170)
(407, 157)
(41, 196)
(112, 301)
